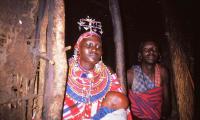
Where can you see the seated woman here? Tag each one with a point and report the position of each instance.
(113, 106)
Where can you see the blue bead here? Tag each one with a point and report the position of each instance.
(83, 75)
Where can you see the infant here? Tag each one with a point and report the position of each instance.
(114, 106)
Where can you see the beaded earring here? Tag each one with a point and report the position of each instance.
(98, 65)
(75, 56)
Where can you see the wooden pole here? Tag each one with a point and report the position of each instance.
(41, 39)
(56, 75)
(118, 39)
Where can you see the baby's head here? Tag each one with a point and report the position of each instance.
(115, 100)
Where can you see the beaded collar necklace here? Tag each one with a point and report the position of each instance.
(87, 86)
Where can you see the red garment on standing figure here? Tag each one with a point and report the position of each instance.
(146, 100)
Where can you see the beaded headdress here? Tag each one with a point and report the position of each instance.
(92, 27)
(90, 24)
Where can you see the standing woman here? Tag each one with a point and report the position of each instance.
(89, 79)
(148, 83)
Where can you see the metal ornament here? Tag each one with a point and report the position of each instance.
(91, 25)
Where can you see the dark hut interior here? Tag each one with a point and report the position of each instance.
(27, 26)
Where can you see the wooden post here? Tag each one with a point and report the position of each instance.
(56, 73)
(118, 39)
(41, 47)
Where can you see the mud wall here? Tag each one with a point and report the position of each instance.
(17, 68)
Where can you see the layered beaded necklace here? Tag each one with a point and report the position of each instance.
(87, 86)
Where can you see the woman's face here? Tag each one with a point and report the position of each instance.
(150, 52)
(90, 50)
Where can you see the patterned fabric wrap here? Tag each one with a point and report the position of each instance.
(142, 82)
(86, 90)
(146, 95)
